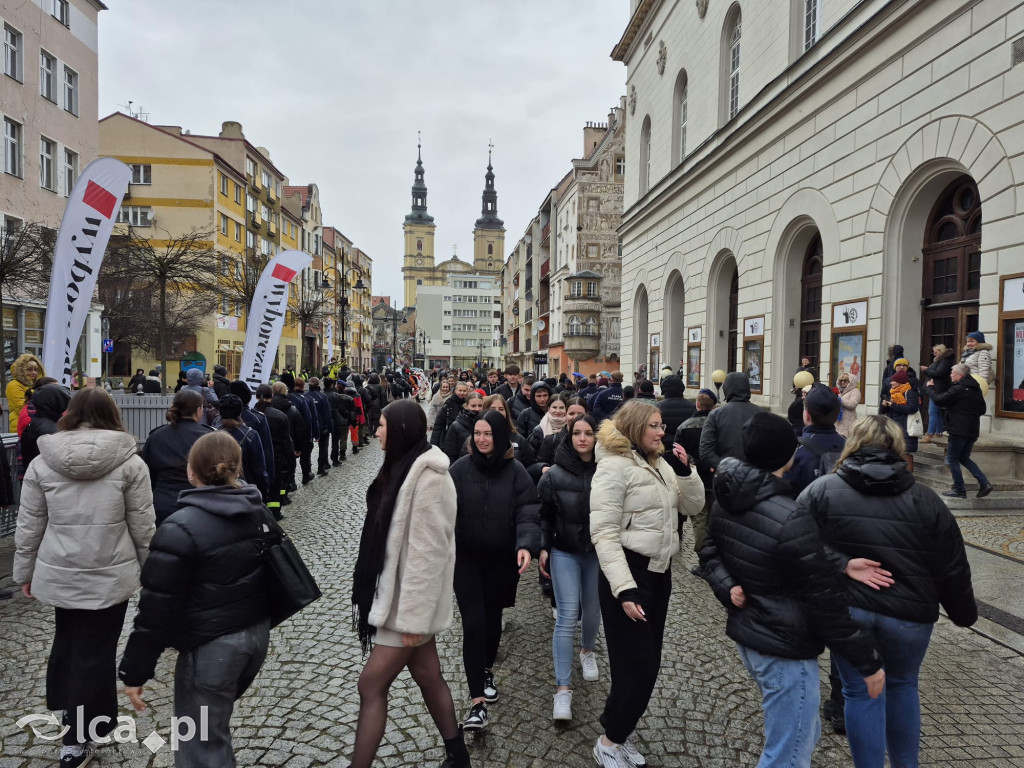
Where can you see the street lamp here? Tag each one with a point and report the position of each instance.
(480, 356)
(420, 334)
(343, 297)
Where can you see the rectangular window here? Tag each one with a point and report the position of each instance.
(266, 180)
(250, 167)
(812, 22)
(238, 232)
(135, 215)
(225, 306)
(250, 239)
(225, 267)
(12, 147)
(62, 12)
(142, 173)
(223, 184)
(12, 52)
(591, 288)
(70, 90)
(223, 224)
(576, 288)
(47, 149)
(47, 65)
(70, 171)
(238, 193)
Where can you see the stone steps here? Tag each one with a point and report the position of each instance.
(930, 468)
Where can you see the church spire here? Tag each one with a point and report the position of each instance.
(489, 212)
(418, 214)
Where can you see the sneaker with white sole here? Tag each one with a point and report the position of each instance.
(589, 663)
(563, 706)
(76, 756)
(632, 754)
(476, 720)
(490, 692)
(610, 757)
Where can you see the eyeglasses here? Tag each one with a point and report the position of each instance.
(659, 427)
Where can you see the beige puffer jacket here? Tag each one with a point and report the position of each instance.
(85, 520)
(633, 505)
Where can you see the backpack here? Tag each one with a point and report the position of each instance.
(827, 460)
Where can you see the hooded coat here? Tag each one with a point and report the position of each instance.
(85, 521)
(454, 442)
(166, 456)
(873, 507)
(529, 418)
(796, 601)
(297, 425)
(16, 387)
(962, 406)
(606, 402)
(518, 403)
(723, 431)
(450, 410)
(48, 405)
(939, 371)
(564, 493)
(675, 409)
(280, 437)
(979, 360)
(204, 578)
(634, 505)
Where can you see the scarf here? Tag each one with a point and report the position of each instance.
(551, 424)
(897, 393)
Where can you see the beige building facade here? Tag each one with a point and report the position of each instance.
(810, 178)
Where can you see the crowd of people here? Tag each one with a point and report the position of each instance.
(809, 537)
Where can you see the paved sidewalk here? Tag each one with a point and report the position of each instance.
(302, 709)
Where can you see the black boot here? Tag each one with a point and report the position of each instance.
(456, 754)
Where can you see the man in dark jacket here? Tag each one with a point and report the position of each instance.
(529, 418)
(513, 381)
(297, 425)
(136, 381)
(723, 432)
(491, 386)
(325, 420)
(281, 441)
(688, 436)
(304, 446)
(767, 565)
(152, 385)
(221, 382)
(820, 444)
(590, 389)
(963, 405)
(521, 400)
(257, 421)
(608, 401)
(449, 413)
(342, 415)
(675, 409)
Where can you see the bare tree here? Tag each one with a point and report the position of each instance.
(307, 304)
(26, 258)
(239, 286)
(174, 281)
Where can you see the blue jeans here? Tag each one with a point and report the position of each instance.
(958, 451)
(935, 425)
(574, 579)
(893, 720)
(790, 694)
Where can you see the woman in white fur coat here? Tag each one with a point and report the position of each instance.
(402, 586)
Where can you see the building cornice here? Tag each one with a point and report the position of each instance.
(624, 47)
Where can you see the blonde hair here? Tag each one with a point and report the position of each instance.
(490, 400)
(279, 388)
(216, 459)
(878, 431)
(632, 419)
(940, 349)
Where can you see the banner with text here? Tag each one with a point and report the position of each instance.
(89, 218)
(266, 315)
(329, 345)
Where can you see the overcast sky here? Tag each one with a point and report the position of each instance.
(336, 90)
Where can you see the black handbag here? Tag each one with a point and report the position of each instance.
(290, 585)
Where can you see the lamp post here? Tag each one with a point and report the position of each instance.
(421, 335)
(718, 377)
(480, 356)
(343, 274)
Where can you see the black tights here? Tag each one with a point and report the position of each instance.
(383, 666)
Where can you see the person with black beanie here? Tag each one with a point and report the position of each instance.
(257, 421)
(497, 535)
(402, 585)
(254, 468)
(279, 425)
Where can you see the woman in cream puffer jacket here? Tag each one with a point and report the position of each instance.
(634, 499)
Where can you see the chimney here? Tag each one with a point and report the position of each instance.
(231, 130)
(173, 129)
(592, 135)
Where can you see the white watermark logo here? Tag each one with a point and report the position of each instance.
(124, 732)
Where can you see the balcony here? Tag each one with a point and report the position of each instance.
(542, 341)
(545, 306)
(270, 193)
(545, 268)
(257, 221)
(576, 304)
(545, 233)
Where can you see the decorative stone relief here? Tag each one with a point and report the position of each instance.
(632, 99)
(662, 57)
(702, 8)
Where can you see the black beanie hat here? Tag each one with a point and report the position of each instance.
(768, 441)
(672, 386)
(241, 390)
(822, 401)
(230, 407)
(287, 379)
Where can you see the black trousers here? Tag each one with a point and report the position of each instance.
(323, 458)
(634, 647)
(306, 459)
(82, 670)
(481, 590)
(339, 442)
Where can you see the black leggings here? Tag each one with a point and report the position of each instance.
(381, 669)
(482, 589)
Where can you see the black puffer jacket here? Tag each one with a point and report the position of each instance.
(49, 403)
(564, 493)
(203, 579)
(939, 370)
(342, 409)
(722, 435)
(528, 419)
(962, 406)
(373, 403)
(454, 442)
(280, 437)
(166, 455)
(498, 510)
(760, 540)
(675, 409)
(298, 426)
(523, 452)
(450, 410)
(518, 404)
(872, 507)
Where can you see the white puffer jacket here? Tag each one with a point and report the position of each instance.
(414, 592)
(633, 505)
(85, 520)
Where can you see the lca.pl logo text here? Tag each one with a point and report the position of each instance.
(125, 732)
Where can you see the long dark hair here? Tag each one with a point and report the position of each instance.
(406, 441)
(92, 408)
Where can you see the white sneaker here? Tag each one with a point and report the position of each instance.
(589, 663)
(632, 755)
(610, 757)
(554, 613)
(563, 706)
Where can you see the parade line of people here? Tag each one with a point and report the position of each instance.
(810, 537)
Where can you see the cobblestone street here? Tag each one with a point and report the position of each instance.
(302, 709)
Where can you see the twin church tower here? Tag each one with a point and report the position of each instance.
(488, 239)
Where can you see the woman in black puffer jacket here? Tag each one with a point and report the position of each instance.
(497, 533)
(204, 592)
(871, 507)
(455, 442)
(939, 372)
(166, 451)
(564, 492)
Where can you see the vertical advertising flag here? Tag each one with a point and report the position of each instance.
(329, 345)
(81, 242)
(266, 315)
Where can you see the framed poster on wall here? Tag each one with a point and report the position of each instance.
(693, 366)
(1010, 355)
(849, 337)
(753, 352)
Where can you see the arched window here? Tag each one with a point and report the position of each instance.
(731, 35)
(810, 301)
(645, 156)
(734, 317)
(591, 326)
(575, 326)
(490, 249)
(679, 119)
(419, 245)
(812, 23)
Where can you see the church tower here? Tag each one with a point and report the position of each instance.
(419, 226)
(489, 233)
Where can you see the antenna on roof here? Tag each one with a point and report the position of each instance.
(136, 114)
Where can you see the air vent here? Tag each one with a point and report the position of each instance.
(1017, 52)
